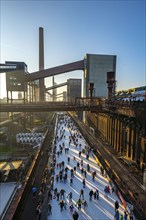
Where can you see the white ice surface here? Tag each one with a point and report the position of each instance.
(102, 209)
(6, 190)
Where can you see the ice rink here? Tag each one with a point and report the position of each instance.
(98, 209)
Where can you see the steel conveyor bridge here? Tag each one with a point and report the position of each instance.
(78, 65)
(46, 107)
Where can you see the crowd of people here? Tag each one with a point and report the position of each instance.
(65, 172)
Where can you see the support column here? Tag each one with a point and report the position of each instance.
(110, 130)
(106, 127)
(115, 134)
(132, 143)
(120, 136)
(128, 142)
(53, 84)
(41, 63)
(118, 131)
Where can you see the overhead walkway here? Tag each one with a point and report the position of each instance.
(79, 65)
(82, 104)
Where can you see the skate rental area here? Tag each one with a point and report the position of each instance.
(79, 187)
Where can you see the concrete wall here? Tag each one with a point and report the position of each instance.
(96, 70)
(123, 137)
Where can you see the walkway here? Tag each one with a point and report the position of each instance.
(102, 208)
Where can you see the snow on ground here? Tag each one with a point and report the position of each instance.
(6, 190)
(102, 209)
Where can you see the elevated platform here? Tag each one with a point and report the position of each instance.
(46, 107)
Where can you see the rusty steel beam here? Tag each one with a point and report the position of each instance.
(79, 65)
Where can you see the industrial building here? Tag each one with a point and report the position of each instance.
(96, 68)
(74, 87)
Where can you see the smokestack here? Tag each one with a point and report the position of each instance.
(41, 62)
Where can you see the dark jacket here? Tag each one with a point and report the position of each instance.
(75, 216)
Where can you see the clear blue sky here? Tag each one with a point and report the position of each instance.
(72, 29)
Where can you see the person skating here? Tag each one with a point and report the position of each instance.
(39, 211)
(79, 203)
(116, 205)
(60, 176)
(62, 191)
(65, 205)
(84, 183)
(66, 170)
(78, 164)
(93, 175)
(71, 181)
(90, 194)
(64, 178)
(70, 196)
(75, 216)
(85, 205)
(87, 156)
(85, 173)
(62, 163)
(75, 169)
(49, 194)
(125, 215)
(106, 191)
(71, 208)
(101, 170)
(117, 215)
(82, 170)
(80, 153)
(41, 196)
(131, 215)
(58, 195)
(61, 203)
(55, 192)
(57, 178)
(97, 194)
(82, 194)
(58, 153)
(72, 173)
(88, 167)
(49, 209)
